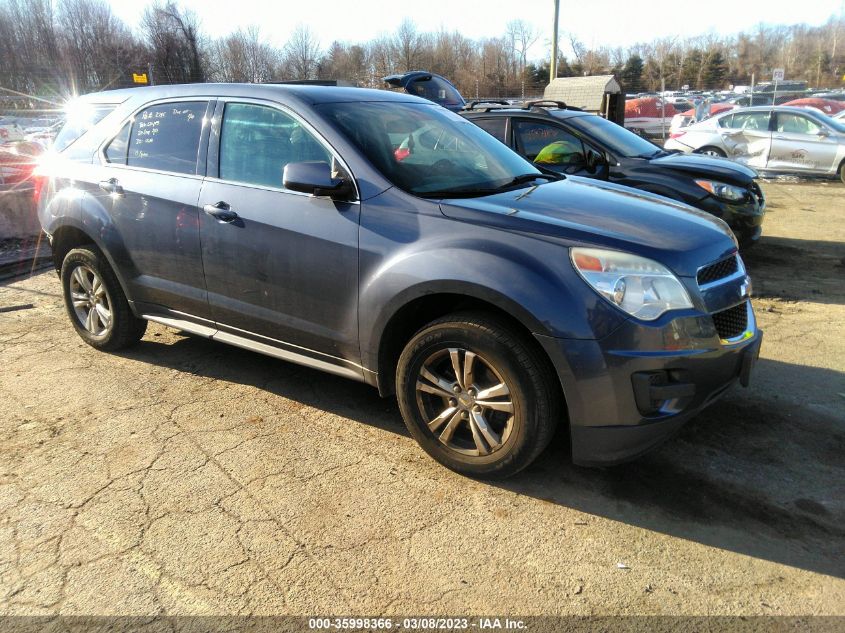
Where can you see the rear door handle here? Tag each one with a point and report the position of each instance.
(111, 186)
(221, 212)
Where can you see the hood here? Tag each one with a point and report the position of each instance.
(697, 165)
(582, 211)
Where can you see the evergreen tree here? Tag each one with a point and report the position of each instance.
(632, 73)
(714, 74)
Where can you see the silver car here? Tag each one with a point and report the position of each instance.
(777, 139)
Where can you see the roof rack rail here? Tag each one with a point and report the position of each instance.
(490, 103)
(541, 103)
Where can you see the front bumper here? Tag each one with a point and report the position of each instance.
(630, 391)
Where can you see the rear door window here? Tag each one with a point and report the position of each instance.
(747, 121)
(494, 126)
(166, 137)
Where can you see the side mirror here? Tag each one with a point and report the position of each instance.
(315, 177)
(595, 161)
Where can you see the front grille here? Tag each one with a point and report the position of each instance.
(731, 322)
(719, 270)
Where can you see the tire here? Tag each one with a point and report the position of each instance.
(434, 414)
(842, 172)
(709, 150)
(95, 302)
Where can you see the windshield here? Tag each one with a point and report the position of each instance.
(616, 138)
(428, 150)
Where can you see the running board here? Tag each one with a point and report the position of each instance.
(254, 346)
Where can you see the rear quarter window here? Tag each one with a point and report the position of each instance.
(80, 119)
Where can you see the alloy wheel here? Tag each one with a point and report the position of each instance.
(90, 300)
(465, 401)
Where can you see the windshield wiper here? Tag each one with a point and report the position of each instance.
(523, 178)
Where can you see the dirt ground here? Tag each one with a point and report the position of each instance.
(187, 477)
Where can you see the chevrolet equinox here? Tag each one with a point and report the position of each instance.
(381, 237)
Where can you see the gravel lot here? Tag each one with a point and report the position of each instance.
(187, 477)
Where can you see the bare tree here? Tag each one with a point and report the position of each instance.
(345, 62)
(302, 54)
(31, 52)
(53, 48)
(98, 49)
(174, 38)
(381, 58)
(408, 44)
(243, 57)
(523, 36)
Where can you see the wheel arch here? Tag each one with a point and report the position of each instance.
(418, 310)
(70, 235)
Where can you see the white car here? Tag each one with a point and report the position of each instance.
(779, 139)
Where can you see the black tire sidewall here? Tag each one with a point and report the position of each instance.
(124, 328)
(519, 447)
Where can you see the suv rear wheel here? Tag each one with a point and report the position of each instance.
(95, 302)
(478, 398)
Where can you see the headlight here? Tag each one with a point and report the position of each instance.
(639, 286)
(722, 190)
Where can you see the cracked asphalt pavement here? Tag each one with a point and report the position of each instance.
(187, 477)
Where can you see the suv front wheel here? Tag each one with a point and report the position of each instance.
(95, 302)
(478, 398)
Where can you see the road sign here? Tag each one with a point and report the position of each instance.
(140, 78)
(777, 74)
(685, 87)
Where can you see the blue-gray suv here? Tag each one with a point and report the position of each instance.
(383, 238)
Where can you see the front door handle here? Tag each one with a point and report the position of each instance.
(221, 211)
(111, 186)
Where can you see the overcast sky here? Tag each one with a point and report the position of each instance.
(595, 22)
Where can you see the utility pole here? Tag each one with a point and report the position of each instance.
(553, 66)
(663, 108)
